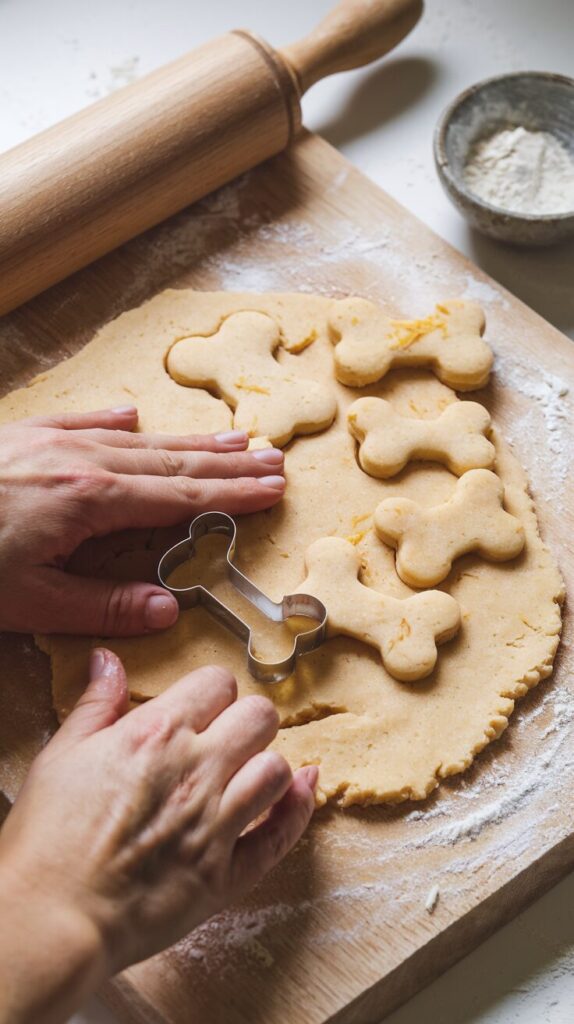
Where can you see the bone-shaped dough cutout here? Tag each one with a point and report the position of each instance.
(429, 539)
(237, 364)
(405, 631)
(449, 341)
(388, 441)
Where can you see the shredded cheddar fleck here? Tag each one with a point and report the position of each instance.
(356, 538)
(298, 346)
(405, 629)
(407, 332)
(403, 633)
(360, 519)
(244, 385)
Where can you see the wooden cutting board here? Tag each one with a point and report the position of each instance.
(340, 932)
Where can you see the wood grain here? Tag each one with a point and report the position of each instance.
(340, 933)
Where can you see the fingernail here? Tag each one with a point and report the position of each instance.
(278, 482)
(271, 455)
(311, 776)
(97, 663)
(232, 437)
(124, 410)
(160, 612)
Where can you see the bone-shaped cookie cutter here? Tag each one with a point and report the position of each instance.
(292, 604)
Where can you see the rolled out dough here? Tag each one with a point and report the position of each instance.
(376, 739)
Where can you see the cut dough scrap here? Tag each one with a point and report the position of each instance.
(237, 364)
(375, 738)
(429, 540)
(388, 441)
(406, 632)
(326, 742)
(368, 343)
(103, 374)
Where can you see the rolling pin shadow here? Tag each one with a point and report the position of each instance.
(80, 189)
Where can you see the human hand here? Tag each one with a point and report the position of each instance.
(65, 479)
(130, 831)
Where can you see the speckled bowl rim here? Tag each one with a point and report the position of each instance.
(443, 162)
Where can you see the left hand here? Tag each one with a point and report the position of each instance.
(66, 478)
(130, 830)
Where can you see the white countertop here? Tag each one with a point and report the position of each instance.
(58, 56)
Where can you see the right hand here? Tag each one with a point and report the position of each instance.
(130, 829)
(67, 478)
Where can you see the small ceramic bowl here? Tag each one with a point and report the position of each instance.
(539, 101)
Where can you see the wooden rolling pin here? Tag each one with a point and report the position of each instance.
(74, 192)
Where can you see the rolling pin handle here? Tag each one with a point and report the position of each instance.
(354, 33)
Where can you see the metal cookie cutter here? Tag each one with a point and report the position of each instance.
(292, 604)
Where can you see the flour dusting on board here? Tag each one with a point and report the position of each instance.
(301, 261)
(550, 401)
(482, 291)
(229, 244)
(515, 789)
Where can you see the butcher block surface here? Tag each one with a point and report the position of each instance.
(341, 930)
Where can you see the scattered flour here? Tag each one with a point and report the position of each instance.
(353, 244)
(482, 291)
(339, 180)
(243, 276)
(125, 73)
(523, 172)
(550, 398)
(432, 899)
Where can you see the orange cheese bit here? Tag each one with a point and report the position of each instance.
(361, 519)
(404, 631)
(408, 332)
(356, 538)
(311, 337)
(244, 385)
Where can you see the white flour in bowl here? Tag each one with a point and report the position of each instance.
(522, 172)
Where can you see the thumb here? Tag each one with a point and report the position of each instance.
(105, 699)
(78, 604)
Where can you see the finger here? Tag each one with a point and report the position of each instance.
(104, 701)
(64, 603)
(263, 847)
(232, 440)
(198, 465)
(259, 784)
(144, 501)
(123, 417)
(240, 732)
(195, 700)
